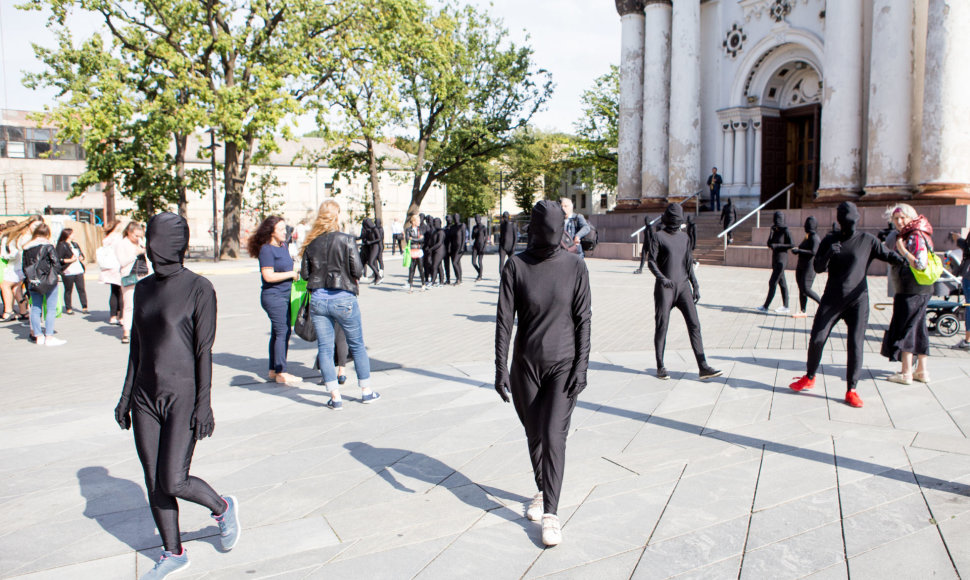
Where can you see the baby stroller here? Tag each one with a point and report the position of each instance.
(942, 316)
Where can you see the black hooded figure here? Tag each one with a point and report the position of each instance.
(548, 289)
(370, 249)
(779, 240)
(672, 263)
(449, 226)
(479, 238)
(456, 235)
(437, 251)
(645, 251)
(166, 390)
(427, 227)
(364, 246)
(729, 215)
(804, 271)
(506, 240)
(692, 232)
(379, 228)
(846, 255)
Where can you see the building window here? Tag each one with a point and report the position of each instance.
(603, 201)
(30, 143)
(583, 203)
(59, 182)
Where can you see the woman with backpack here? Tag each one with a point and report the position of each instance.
(41, 270)
(72, 270)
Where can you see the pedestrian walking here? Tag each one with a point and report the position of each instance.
(72, 270)
(804, 271)
(41, 270)
(110, 270)
(479, 242)
(415, 240)
(779, 242)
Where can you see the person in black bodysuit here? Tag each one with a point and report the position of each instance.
(506, 240)
(779, 240)
(804, 271)
(691, 232)
(671, 262)
(379, 228)
(729, 215)
(457, 234)
(846, 255)
(645, 250)
(428, 228)
(548, 289)
(370, 248)
(437, 251)
(446, 261)
(479, 239)
(365, 228)
(166, 389)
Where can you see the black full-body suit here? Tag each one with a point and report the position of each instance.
(169, 376)
(548, 289)
(364, 245)
(370, 247)
(506, 240)
(479, 238)
(676, 287)
(379, 228)
(779, 240)
(645, 250)
(692, 233)
(804, 270)
(428, 228)
(729, 215)
(449, 226)
(437, 251)
(456, 235)
(846, 255)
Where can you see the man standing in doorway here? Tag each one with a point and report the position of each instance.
(714, 182)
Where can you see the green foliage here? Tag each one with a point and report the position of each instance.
(598, 130)
(472, 188)
(265, 196)
(535, 163)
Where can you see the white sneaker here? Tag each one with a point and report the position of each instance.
(41, 340)
(534, 513)
(53, 341)
(782, 310)
(551, 532)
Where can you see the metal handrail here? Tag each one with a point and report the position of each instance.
(680, 203)
(757, 212)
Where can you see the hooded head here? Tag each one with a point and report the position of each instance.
(673, 217)
(505, 216)
(545, 229)
(456, 217)
(368, 223)
(478, 220)
(810, 225)
(377, 222)
(779, 219)
(729, 202)
(646, 220)
(690, 219)
(437, 223)
(167, 241)
(847, 215)
(449, 219)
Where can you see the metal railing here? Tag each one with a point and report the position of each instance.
(680, 203)
(757, 212)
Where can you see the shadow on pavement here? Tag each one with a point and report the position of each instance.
(430, 470)
(478, 317)
(106, 495)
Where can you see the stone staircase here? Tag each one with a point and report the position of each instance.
(710, 248)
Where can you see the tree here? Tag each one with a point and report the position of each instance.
(265, 196)
(598, 130)
(534, 164)
(471, 188)
(468, 90)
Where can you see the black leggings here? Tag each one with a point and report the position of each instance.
(380, 255)
(71, 282)
(477, 260)
(456, 265)
(804, 279)
(545, 411)
(415, 263)
(165, 442)
(777, 278)
(437, 268)
(373, 261)
(503, 255)
(855, 313)
(397, 241)
(665, 300)
(277, 307)
(115, 301)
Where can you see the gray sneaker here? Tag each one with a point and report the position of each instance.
(964, 344)
(168, 565)
(229, 528)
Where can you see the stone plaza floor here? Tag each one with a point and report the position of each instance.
(736, 477)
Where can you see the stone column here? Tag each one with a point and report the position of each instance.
(945, 164)
(727, 163)
(841, 147)
(890, 135)
(740, 153)
(629, 148)
(685, 98)
(756, 178)
(656, 99)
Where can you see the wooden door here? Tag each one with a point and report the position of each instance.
(774, 157)
(802, 144)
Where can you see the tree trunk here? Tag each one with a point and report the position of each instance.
(232, 204)
(417, 192)
(181, 144)
(375, 180)
(109, 202)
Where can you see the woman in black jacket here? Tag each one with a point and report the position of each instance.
(72, 270)
(331, 266)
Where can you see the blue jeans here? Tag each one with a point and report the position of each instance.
(36, 304)
(277, 307)
(345, 311)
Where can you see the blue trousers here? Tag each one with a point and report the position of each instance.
(277, 307)
(37, 301)
(345, 311)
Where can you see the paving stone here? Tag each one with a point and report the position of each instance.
(878, 526)
(789, 519)
(896, 559)
(798, 556)
(619, 566)
(690, 551)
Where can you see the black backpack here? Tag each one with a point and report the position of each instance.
(40, 268)
(590, 240)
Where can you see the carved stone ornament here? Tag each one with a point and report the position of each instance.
(624, 7)
(777, 10)
(780, 9)
(734, 41)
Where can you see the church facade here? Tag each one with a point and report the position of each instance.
(858, 100)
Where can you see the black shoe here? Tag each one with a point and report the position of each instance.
(341, 379)
(662, 374)
(706, 372)
(638, 271)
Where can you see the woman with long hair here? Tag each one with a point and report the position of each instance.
(11, 249)
(269, 245)
(110, 273)
(414, 237)
(907, 334)
(131, 257)
(331, 266)
(72, 270)
(41, 269)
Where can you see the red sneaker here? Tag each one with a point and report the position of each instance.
(852, 399)
(802, 384)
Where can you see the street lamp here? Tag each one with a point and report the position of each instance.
(215, 230)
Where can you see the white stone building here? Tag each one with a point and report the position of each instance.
(847, 99)
(30, 183)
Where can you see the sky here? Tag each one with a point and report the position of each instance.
(576, 40)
